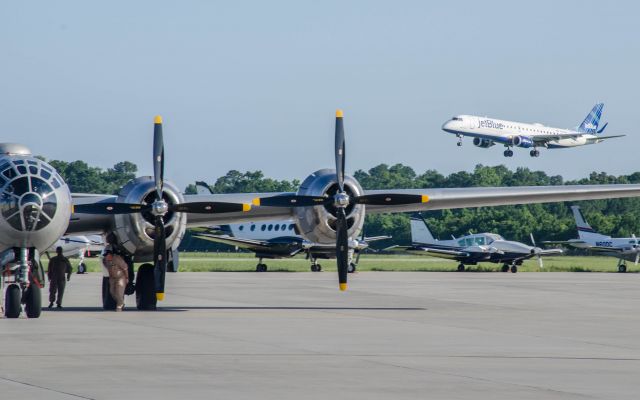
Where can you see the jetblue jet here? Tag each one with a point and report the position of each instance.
(487, 132)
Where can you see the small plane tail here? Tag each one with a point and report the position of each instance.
(420, 232)
(585, 231)
(592, 120)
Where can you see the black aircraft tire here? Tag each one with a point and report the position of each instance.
(622, 268)
(460, 267)
(351, 268)
(505, 268)
(33, 301)
(82, 268)
(145, 288)
(12, 306)
(318, 268)
(514, 269)
(108, 302)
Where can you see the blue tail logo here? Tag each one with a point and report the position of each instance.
(591, 122)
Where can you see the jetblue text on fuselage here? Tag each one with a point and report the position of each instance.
(488, 123)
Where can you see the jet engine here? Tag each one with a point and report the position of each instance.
(318, 224)
(523, 141)
(136, 231)
(484, 143)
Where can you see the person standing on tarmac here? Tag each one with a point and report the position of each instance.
(59, 266)
(118, 276)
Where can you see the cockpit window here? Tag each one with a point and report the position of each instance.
(27, 201)
(456, 119)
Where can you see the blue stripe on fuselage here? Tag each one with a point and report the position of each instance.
(497, 139)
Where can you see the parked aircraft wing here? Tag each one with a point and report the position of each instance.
(250, 244)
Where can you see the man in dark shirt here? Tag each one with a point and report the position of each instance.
(59, 266)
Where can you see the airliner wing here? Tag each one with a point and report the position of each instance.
(610, 137)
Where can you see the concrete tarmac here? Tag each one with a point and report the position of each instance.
(393, 335)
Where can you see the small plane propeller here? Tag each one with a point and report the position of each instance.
(633, 235)
(159, 208)
(537, 250)
(341, 200)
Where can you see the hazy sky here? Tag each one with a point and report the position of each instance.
(254, 85)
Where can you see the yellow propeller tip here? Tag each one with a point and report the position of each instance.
(73, 209)
(256, 201)
(339, 114)
(343, 287)
(246, 207)
(159, 296)
(425, 198)
(157, 119)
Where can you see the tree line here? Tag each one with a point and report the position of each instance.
(553, 221)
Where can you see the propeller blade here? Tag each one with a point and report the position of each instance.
(158, 156)
(340, 156)
(342, 248)
(159, 257)
(388, 199)
(209, 207)
(291, 201)
(533, 241)
(109, 208)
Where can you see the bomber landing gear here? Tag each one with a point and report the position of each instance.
(534, 153)
(12, 306)
(508, 153)
(145, 289)
(315, 267)
(460, 267)
(32, 301)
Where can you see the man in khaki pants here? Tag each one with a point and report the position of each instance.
(59, 266)
(118, 276)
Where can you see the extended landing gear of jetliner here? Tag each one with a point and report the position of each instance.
(459, 140)
(508, 153)
(461, 267)
(534, 153)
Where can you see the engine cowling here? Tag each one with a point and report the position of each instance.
(484, 143)
(317, 224)
(523, 141)
(135, 232)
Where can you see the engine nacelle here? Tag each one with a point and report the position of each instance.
(135, 232)
(523, 141)
(484, 143)
(317, 224)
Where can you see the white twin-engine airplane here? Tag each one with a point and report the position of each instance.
(487, 132)
(147, 219)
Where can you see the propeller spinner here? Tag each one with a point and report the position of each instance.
(341, 200)
(159, 208)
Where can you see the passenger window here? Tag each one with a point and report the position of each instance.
(277, 227)
(263, 227)
(253, 228)
(241, 227)
(270, 227)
